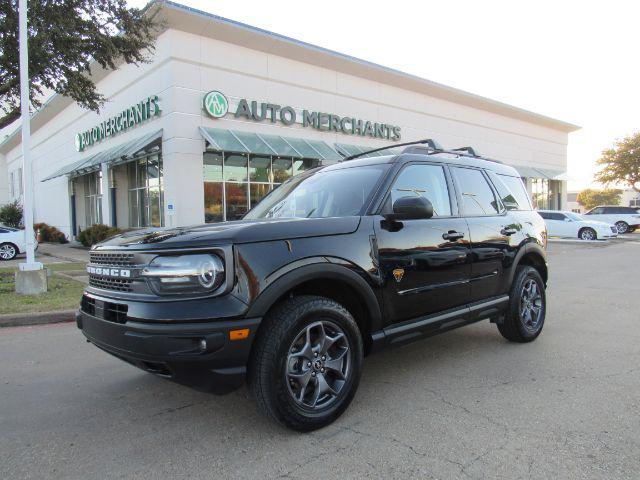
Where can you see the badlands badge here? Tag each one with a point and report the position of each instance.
(398, 273)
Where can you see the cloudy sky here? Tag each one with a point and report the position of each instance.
(571, 60)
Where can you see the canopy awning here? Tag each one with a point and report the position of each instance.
(266, 144)
(346, 150)
(119, 154)
(552, 174)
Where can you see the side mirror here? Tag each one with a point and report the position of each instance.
(567, 219)
(411, 208)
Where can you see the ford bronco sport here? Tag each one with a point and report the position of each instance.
(335, 264)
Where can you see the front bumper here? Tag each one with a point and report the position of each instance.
(175, 350)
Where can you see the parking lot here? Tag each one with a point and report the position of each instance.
(465, 404)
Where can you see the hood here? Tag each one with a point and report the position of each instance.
(236, 232)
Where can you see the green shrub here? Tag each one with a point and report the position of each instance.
(11, 214)
(96, 234)
(49, 233)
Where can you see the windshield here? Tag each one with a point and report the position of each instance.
(334, 193)
(574, 216)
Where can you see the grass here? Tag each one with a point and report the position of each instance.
(62, 293)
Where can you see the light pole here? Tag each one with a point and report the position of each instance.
(31, 278)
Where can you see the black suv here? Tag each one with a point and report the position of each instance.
(334, 264)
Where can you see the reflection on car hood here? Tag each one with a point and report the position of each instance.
(596, 224)
(241, 231)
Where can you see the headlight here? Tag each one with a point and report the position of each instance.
(185, 274)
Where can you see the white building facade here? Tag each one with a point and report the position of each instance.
(224, 112)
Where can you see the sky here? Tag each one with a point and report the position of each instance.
(571, 60)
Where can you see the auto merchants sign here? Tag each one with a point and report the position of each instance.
(129, 118)
(217, 105)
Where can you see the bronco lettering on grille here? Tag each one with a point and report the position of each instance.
(109, 272)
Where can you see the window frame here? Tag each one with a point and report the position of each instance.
(453, 201)
(502, 211)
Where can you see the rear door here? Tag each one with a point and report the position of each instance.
(424, 263)
(494, 233)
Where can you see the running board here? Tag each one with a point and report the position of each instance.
(423, 327)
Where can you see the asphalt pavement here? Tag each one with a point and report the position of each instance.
(465, 404)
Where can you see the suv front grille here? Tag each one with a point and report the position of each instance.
(117, 284)
(111, 259)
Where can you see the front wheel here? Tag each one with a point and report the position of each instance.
(525, 316)
(623, 227)
(8, 251)
(587, 234)
(306, 363)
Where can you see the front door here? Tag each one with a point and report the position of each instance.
(424, 263)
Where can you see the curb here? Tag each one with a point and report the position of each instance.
(40, 318)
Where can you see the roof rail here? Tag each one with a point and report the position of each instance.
(468, 152)
(431, 143)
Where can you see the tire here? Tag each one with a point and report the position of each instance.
(587, 234)
(623, 227)
(283, 358)
(8, 251)
(632, 229)
(516, 327)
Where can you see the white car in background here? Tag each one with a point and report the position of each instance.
(12, 242)
(626, 219)
(573, 225)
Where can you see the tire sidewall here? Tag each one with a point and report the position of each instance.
(525, 274)
(284, 402)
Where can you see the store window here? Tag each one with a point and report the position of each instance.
(235, 183)
(546, 194)
(92, 186)
(146, 192)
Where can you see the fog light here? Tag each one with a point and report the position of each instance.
(203, 344)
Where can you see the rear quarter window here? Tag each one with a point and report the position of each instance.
(512, 191)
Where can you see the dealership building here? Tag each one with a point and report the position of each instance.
(224, 112)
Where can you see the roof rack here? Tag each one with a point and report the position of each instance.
(431, 143)
(431, 146)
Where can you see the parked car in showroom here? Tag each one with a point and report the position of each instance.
(626, 219)
(12, 242)
(336, 263)
(573, 225)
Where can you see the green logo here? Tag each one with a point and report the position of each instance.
(79, 142)
(216, 104)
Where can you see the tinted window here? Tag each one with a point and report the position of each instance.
(512, 192)
(595, 211)
(2, 230)
(477, 196)
(334, 193)
(427, 181)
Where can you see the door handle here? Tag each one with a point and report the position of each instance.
(508, 231)
(452, 235)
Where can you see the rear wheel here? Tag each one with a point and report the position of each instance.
(587, 234)
(623, 227)
(8, 251)
(525, 316)
(306, 363)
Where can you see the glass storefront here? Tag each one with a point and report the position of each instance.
(234, 182)
(146, 192)
(92, 187)
(546, 194)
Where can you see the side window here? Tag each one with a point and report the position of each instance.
(511, 190)
(2, 230)
(609, 210)
(544, 215)
(426, 181)
(596, 211)
(477, 196)
(560, 216)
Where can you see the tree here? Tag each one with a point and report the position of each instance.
(11, 215)
(621, 164)
(65, 38)
(590, 198)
